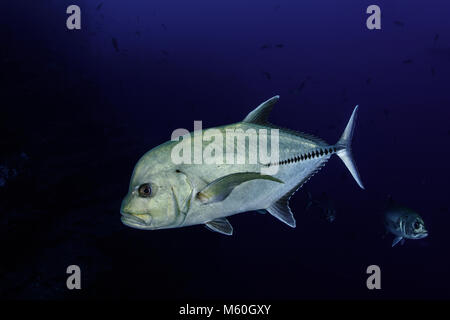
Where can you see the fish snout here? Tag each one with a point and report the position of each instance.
(424, 233)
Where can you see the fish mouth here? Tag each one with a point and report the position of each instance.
(133, 221)
(422, 235)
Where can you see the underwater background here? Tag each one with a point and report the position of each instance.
(80, 107)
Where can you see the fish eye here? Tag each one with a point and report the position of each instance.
(416, 225)
(145, 190)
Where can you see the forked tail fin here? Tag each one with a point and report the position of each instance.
(344, 148)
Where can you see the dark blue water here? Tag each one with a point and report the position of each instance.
(83, 111)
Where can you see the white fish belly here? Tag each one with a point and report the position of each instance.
(258, 194)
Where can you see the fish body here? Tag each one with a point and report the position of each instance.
(115, 44)
(163, 194)
(403, 223)
(324, 205)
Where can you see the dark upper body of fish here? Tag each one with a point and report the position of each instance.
(164, 195)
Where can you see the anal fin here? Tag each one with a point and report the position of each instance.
(282, 212)
(220, 225)
(280, 209)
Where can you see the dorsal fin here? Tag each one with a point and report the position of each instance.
(307, 136)
(261, 113)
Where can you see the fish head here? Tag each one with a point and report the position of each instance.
(153, 198)
(331, 214)
(415, 228)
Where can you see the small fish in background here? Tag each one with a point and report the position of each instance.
(301, 86)
(426, 180)
(399, 23)
(403, 223)
(11, 167)
(280, 45)
(265, 46)
(443, 52)
(436, 38)
(324, 205)
(164, 26)
(407, 61)
(115, 44)
(100, 5)
(4, 175)
(267, 75)
(162, 61)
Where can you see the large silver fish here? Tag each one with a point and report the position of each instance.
(163, 194)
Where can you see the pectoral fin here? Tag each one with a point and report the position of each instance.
(220, 189)
(397, 240)
(220, 225)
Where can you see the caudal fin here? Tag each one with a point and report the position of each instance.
(344, 148)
